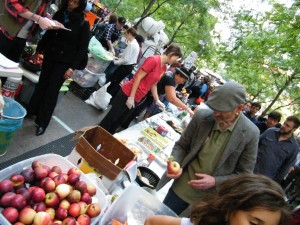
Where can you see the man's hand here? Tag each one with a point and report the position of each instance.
(204, 182)
(175, 176)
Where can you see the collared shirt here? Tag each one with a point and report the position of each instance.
(274, 157)
(205, 162)
(111, 32)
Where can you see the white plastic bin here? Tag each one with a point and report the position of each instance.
(134, 205)
(50, 160)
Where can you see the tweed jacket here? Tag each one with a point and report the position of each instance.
(239, 154)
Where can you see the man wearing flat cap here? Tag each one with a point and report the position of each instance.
(218, 143)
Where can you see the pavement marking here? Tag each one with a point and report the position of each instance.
(63, 124)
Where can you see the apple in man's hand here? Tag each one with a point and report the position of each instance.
(173, 167)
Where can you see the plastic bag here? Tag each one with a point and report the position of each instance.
(100, 99)
(96, 48)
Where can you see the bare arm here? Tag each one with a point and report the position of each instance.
(154, 92)
(172, 98)
(43, 22)
(141, 74)
(162, 220)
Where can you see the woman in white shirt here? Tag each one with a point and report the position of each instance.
(246, 199)
(126, 62)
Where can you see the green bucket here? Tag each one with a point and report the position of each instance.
(12, 118)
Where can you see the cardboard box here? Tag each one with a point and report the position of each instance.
(109, 161)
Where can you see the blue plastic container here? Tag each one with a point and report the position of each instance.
(12, 118)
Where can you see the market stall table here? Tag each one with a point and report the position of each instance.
(133, 133)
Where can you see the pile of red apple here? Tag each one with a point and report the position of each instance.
(41, 195)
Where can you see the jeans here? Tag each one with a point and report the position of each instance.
(174, 202)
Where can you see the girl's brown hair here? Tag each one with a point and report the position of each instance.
(243, 192)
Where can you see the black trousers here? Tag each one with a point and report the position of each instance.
(121, 72)
(113, 119)
(44, 99)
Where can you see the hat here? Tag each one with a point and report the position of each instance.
(122, 20)
(226, 97)
(183, 71)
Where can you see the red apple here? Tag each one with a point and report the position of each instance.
(52, 174)
(49, 185)
(74, 210)
(69, 221)
(61, 213)
(74, 170)
(39, 207)
(19, 223)
(17, 179)
(63, 190)
(73, 178)
(91, 189)
(64, 204)
(38, 194)
(18, 202)
(42, 218)
(42, 181)
(26, 194)
(28, 175)
(47, 168)
(173, 167)
(51, 199)
(65, 176)
(56, 169)
(6, 186)
(85, 197)
(74, 196)
(51, 212)
(81, 186)
(57, 222)
(60, 179)
(27, 215)
(40, 172)
(6, 199)
(84, 219)
(36, 163)
(83, 207)
(11, 214)
(93, 210)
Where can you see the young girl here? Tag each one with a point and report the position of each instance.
(246, 199)
(135, 90)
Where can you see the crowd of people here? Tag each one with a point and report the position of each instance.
(218, 151)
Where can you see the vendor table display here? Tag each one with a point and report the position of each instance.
(131, 205)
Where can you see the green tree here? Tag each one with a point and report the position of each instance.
(263, 54)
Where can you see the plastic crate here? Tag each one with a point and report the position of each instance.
(81, 92)
(51, 160)
(134, 205)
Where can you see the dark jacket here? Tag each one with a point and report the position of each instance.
(66, 46)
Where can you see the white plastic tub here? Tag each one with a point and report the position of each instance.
(50, 160)
(134, 205)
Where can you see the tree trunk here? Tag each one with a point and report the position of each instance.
(176, 31)
(145, 12)
(287, 83)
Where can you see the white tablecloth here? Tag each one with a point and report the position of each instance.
(134, 132)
